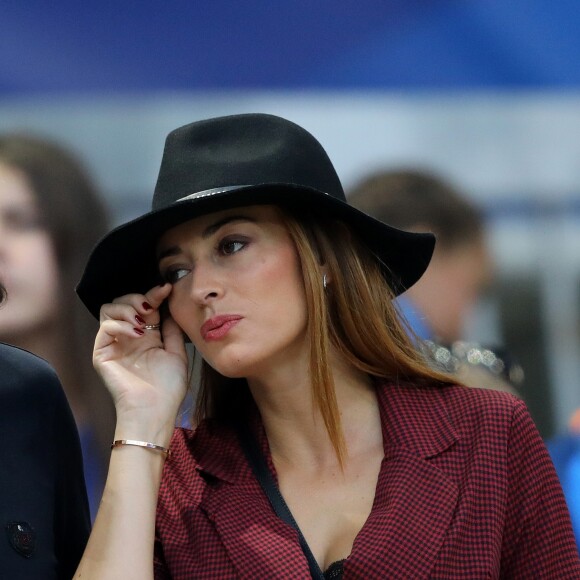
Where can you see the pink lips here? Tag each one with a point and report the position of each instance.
(218, 326)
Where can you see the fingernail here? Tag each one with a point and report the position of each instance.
(139, 319)
(147, 306)
(139, 331)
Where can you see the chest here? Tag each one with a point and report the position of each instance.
(331, 506)
(431, 516)
(233, 532)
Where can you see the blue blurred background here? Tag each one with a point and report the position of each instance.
(484, 92)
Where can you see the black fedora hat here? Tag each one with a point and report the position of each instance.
(234, 161)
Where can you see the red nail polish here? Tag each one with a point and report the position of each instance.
(147, 306)
(139, 331)
(139, 319)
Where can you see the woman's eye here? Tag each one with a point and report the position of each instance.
(175, 275)
(228, 247)
(23, 220)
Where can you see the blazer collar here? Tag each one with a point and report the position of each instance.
(218, 452)
(415, 418)
(414, 500)
(259, 544)
(413, 507)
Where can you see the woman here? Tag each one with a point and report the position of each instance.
(50, 218)
(437, 308)
(312, 398)
(44, 509)
(415, 200)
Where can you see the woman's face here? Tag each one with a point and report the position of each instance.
(238, 291)
(28, 266)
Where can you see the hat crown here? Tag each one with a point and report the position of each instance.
(235, 161)
(241, 150)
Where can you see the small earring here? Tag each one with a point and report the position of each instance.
(324, 283)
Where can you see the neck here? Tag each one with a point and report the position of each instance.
(293, 423)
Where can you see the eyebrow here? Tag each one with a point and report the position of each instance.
(209, 231)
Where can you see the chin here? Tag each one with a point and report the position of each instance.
(230, 361)
(235, 369)
(230, 370)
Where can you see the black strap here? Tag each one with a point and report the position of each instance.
(263, 475)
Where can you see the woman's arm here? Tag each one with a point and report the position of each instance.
(146, 374)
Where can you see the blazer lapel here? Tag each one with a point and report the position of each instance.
(259, 544)
(414, 501)
(413, 506)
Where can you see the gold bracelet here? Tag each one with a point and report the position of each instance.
(145, 444)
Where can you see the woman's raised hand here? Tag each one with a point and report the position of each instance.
(144, 369)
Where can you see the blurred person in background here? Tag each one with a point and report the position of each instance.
(437, 308)
(50, 217)
(565, 452)
(44, 512)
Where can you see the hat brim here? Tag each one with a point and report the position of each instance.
(123, 262)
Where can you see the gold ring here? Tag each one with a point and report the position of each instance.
(153, 326)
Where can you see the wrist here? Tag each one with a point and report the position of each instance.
(143, 444)
(140, 428)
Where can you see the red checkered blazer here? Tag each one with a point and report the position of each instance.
(466, 490)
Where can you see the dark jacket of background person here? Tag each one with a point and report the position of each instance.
(44, 513)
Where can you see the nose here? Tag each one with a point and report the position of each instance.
(206, 283)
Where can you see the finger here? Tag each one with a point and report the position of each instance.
(142, 303)
(173, 340)
(122, 311)
(143, 306)
(151, 305)
(112, 330)
(156, 296)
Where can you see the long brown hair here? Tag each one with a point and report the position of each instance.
(75, 217)
(355, 315)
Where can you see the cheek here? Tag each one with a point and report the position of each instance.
(285, 285)
(33, 282)
(461, 303)
(284, 273)
(51, 273)
(38, 268)
(187, 316)
(473, 285)
(180, 312)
